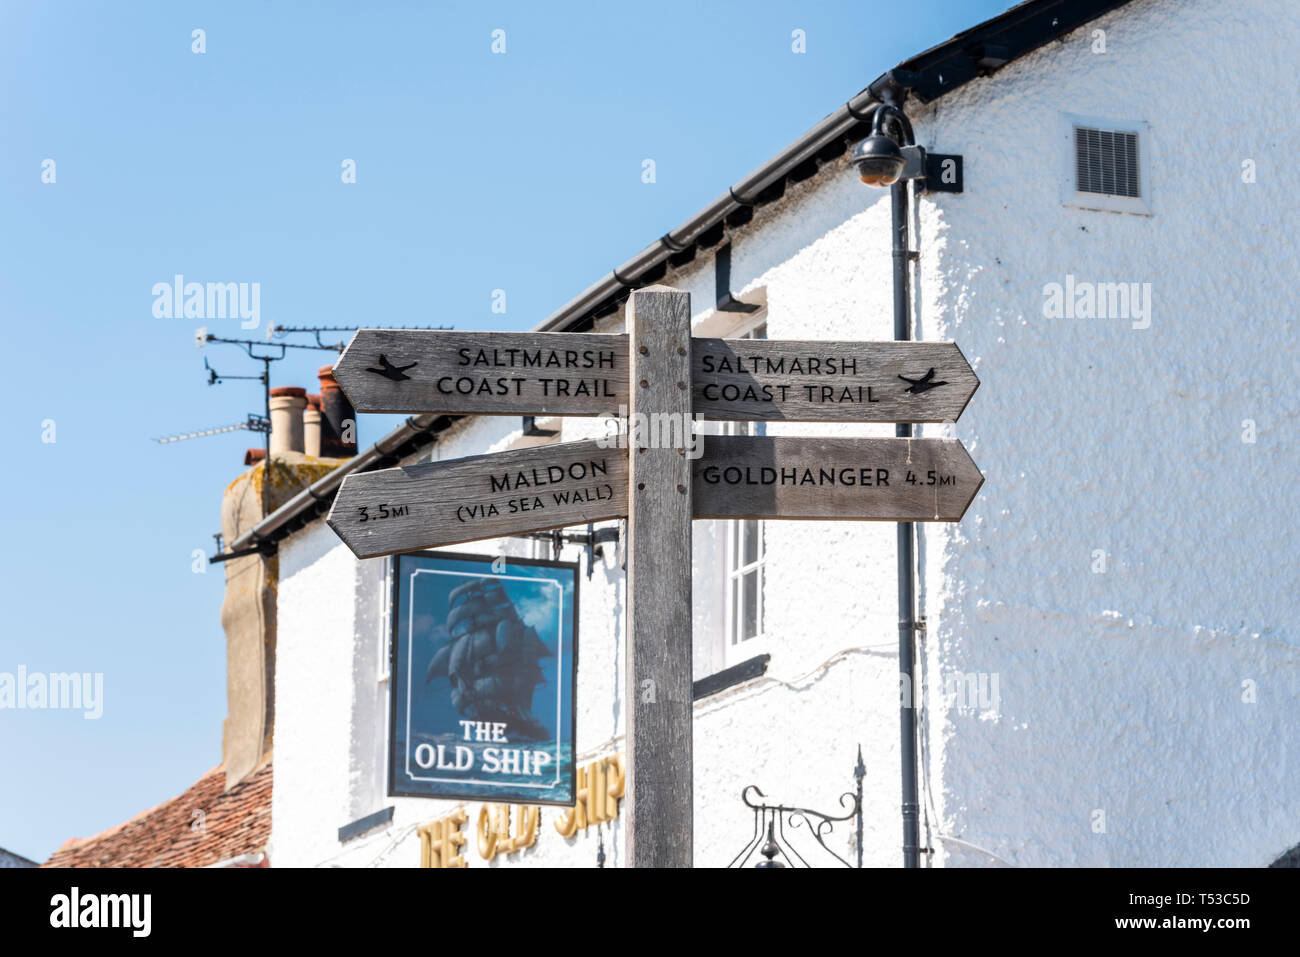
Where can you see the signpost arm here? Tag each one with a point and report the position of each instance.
(657, 700)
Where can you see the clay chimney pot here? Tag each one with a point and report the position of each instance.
(287, 404)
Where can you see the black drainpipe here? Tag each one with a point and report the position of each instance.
(899, 203)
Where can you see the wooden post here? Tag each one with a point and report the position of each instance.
(657, 699)
(657, 375)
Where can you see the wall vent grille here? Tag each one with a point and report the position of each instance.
(1106, 162)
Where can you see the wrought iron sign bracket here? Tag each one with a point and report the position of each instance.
(590, 540)
(770, 824)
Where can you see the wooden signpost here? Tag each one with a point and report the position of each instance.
(656, 370)
(889, 480)
(487, 373)
(565, 373)
(771, 379)
(657, 685)
(483, 496)
(738, 476)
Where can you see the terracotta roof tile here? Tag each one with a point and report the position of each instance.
(204, 825)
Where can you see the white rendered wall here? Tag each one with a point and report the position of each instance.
(1122, 692)
(1112, 729)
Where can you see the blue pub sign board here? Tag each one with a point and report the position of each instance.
(484, 662)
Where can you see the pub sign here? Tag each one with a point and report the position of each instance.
(484, 663)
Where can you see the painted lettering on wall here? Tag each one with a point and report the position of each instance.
(494, 831)
(441, 841)
(600, 785)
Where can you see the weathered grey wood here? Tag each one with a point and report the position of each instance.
(658, 702)
(569, 373)
(444, 503)
(505, 373)
(806, 381)
(789, 477)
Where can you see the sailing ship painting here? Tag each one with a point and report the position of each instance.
(484, 657)
(491, 659)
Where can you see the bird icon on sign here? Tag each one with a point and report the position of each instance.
(923, 384)
(397, 373)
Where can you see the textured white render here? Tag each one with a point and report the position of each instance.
(1122, 692)
(1141, 715)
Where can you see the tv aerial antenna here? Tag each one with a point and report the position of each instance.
(262, 352)
(279, 332)
(265, 352)
(254, 423)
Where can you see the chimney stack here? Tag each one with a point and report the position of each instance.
(287, 403)
(311, 425)
(338, 418)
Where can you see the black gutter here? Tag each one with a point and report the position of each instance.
(974, 53)
(987, 47)
(415, 434)
(820, 146)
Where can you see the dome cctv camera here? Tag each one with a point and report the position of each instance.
(879, 160)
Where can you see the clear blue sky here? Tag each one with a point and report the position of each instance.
(475, 172)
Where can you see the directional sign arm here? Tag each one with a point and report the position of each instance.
(791, 477)
(573, 373)
(482, 496)
(489, 373)
(816, 381)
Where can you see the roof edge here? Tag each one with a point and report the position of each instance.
(978, 52)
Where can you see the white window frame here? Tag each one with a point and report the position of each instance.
(540, 549)
(735, 572)
(735, 649)
(384, 660)
(1072, 196)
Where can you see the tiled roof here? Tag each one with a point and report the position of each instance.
(203, 826)
(10, 859)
